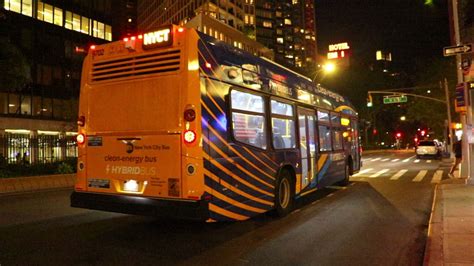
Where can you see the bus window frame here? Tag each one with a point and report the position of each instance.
(337, 127)
(293, 117)
(230, 111)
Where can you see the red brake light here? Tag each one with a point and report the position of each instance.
(133, 38)
(140, 37)
(92, 47)
(189, 136)
(125, 39)
(189, 115)
(80, 138)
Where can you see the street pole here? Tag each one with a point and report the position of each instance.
(448, 109)
(465, 164)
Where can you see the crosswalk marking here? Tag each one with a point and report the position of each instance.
(416, 161)
(384, 160)
(395, 160)
(420, 176)
(398, 174)
(381, 172)
(363, 171)
(437, 176)
(376, 159)
(408, 159)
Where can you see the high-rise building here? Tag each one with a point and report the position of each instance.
(225, 20)
(43, 45)
(287, 27)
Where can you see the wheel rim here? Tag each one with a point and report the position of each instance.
(284, 192)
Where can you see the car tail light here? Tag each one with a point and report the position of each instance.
(189, 136)
(80, 138)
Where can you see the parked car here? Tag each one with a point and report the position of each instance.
(428, 148)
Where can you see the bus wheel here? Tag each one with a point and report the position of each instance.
(284, 194)
(347, 175)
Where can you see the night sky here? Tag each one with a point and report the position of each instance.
(410, 29)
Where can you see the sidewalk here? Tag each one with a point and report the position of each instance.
(451, 229)
(36, 183)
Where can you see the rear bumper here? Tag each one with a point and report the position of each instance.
(194, 210)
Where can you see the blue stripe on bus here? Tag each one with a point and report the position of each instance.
(232, 208)
(240, 186)
(267, 183)
(238, 160)
(233, 195)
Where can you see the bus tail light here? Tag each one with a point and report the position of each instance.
(81, 121)
(189, 136)
(80, 138)
(189, 115)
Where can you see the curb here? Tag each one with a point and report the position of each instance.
(36, 183)
(433, 254)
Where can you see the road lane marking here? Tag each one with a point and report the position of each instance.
(398, 174)
(395, 160)
(437, 176)
(381, 172)
(428, 161)
(376, 159)
(384, 160)
(416, 161)
(420, 176)
(363, 171)
(408, 159)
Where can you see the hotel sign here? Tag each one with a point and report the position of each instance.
(338, 50)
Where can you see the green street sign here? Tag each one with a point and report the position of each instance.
(395, 99)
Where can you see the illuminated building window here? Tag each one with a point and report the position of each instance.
(108, 32)
(58, 16)
(76, 22)
(279, 31)
(100, 30)
(295, 2)
(27, 8)
(287, 21)
(205, 30)
(279, 40)
(378, 55)
(267, 24)
(39, 13)
(251, 20)
(13, 5)
(48, 13)
(68, 20)
(246, 19)
(278, 14)
(221, 37)
(85, 25)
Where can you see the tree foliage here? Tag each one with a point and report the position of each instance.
(14, 68)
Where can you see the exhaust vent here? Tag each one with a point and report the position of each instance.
(153, 63)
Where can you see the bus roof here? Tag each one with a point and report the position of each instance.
(227, 55)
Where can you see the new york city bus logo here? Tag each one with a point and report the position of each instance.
(157, 38)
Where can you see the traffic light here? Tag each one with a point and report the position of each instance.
(369, 100)
(398, 135)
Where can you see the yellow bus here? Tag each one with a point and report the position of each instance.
(176, 123)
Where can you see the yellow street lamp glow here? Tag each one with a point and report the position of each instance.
(329, 67)
(403, 118)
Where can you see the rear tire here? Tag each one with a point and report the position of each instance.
(284, 194)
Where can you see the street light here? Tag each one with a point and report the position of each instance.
(403, 118)
(329, 67)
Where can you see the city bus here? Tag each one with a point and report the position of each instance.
(178, 124)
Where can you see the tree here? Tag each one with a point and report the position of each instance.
(14, 68)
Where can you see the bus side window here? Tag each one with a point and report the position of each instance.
(248, 118)
(324, 138)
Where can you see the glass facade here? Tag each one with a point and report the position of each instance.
(54, 15)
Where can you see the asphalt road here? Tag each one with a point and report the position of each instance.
(380, 219)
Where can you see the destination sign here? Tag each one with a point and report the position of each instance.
(158, 38)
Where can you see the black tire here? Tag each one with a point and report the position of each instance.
(284, 194)
(347, 175)
(418, 157)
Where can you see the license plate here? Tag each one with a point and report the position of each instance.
(99, 183)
